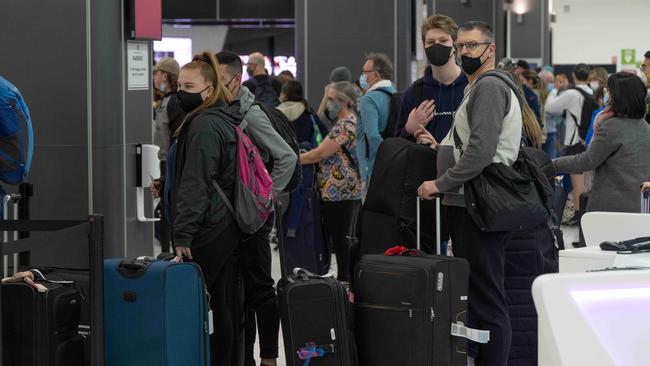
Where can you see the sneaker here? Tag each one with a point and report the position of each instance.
(575, 220)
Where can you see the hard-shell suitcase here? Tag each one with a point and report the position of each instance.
(41, 328)
(155, 313)
(315, 314)
(405, 307)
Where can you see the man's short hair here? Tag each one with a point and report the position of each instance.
(482, 27)
(382, 64)
(231, 60)
(647, 54)
(442, 22)
(523, 64)
(581, 72)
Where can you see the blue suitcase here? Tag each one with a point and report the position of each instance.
(155, 313)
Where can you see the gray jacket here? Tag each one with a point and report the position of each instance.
(620, 154)
(271, 145)
(488, 122)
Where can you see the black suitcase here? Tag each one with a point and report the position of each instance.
(41, 328)
(405, 307)
(315, 314)
(81, 281)
(388, 213)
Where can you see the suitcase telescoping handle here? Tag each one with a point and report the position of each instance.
(418, 223)
(645, 201)
(12, 198)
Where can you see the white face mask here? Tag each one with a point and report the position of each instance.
(594, 85)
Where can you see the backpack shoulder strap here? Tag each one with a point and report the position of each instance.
(390, 95)
(223, 196)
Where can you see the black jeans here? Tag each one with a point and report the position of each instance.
(215, 257)
(260, 298)
(340, 218)
(488, 310)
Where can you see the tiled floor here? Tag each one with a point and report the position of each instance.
(570, 235)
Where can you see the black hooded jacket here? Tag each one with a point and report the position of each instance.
(206, 151)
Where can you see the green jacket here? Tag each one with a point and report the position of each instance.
(206, 151)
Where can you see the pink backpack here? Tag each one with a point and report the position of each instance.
(253, 187)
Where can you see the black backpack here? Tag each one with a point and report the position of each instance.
(589, 105)
(396, 106)
(285, 129)
(264, 92)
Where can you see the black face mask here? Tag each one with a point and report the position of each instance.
(190, 101)
(438, 54)
(471, 64)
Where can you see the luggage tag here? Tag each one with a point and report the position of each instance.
(210, 323)
(479, 336)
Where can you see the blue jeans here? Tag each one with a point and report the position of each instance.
(550, 146)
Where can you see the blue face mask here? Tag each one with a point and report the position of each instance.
(363, 81)
(550, 87)
(163, 87)
(333, 109)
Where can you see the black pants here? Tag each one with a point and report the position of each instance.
(261, 300)
(340, 219)
(488, 310)
(215, 257)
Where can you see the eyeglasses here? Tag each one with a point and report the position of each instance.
(471, 46)
(367, 71)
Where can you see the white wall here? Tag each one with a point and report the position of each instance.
(204, 37)
(593, 31)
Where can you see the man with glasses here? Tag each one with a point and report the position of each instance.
(375, 79)
(432, 100)
(487, 129)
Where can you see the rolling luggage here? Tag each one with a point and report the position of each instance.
(388, 213)
(315, 313)
(405, 308)
(155, 313)
(645, 201)
(79, 280)
(41, 328)
(304, 236)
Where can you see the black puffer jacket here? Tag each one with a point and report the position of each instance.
(206, 151)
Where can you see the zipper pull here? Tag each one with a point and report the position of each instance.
(433, 315)
(410, 313)
(360, 272)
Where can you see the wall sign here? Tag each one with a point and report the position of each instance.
(138, 74)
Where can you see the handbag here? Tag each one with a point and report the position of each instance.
(504, 198)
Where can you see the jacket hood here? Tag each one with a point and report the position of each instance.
(430, 81)
(293, 110)
(245, 99)
(229, 113)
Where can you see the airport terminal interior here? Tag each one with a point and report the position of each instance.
(325, 182)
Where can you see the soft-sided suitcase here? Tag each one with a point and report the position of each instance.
(40, 329)
(81, 281)
(303, 232)
(155, 313)
(405, 307)
(388, 214)
(315, 314)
